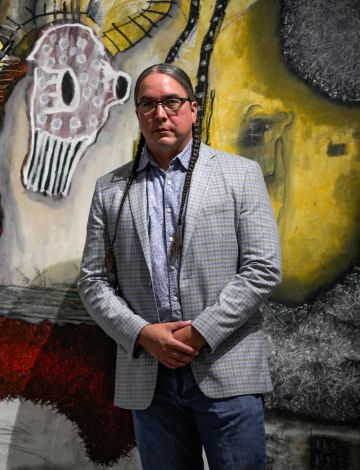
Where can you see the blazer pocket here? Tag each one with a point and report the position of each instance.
(223, 205)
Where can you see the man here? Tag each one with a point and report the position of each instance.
(181, 251)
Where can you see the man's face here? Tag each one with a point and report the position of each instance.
(165, 135)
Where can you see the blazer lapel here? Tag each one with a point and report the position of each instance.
(200, 183)
(138, 207)
(118, 184)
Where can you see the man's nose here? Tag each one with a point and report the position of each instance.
(160, 112)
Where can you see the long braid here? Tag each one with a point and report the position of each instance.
(181, 77)
(177, 243)
(109, 257)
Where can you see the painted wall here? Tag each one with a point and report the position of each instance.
(276, 81)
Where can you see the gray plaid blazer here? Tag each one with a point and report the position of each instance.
(230, 263)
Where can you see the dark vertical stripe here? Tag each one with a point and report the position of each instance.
(54, 10)
(72, 160)
(37, 160)
(43, 162)
(32, 156)
(51, 169)
(77, 12)
(54, 164)
(57, 169)
(61, 170)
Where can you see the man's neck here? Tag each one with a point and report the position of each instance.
(163, 157)
(163, 160)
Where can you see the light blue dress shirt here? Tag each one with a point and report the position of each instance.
(164, 191)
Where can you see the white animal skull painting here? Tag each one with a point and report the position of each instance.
(73, 89)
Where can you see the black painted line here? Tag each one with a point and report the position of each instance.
(140, 26)
(122, 34)
(149, 20)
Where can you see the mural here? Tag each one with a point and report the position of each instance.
(69, 103)
(277, 81)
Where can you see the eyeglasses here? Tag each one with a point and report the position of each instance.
(170, 105)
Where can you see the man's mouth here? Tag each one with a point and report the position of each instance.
(161, 130)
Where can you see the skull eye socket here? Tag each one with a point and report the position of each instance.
(67, 88)
(121, 87)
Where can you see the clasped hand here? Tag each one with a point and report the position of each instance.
(173, 344)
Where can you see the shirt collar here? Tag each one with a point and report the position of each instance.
(183, 157)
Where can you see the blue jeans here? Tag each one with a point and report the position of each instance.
(181, 419)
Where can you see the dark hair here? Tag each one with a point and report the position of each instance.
(167, 69)
(181, 77)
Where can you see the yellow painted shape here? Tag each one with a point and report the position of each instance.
(316, 197)
(125, 23)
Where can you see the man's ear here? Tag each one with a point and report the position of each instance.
(194, 108)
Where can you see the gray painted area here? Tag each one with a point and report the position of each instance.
(34, 437)
(314, 352)
(58, 304)
(321, 43)
(294, 444)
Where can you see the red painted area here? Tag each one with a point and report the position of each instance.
(70, 368)
(10, 72)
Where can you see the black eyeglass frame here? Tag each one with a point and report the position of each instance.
(166, 109)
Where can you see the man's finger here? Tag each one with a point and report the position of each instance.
(171, 364)
(174, 364)
(177, 325)
(183, 348)
(184, 358)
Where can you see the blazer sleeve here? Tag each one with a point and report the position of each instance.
(259, 270)
(97, 288)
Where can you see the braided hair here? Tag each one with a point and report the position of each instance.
(109, 257)
(181, 77)
(177, 243)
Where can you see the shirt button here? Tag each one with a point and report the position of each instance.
(172, 268)
(171, 239)
(169, 182)
(174, 298)
(168, 209)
